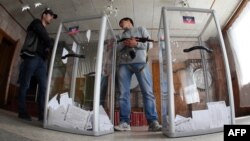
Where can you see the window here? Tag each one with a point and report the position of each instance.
(239, 35)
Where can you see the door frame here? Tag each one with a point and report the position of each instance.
(15, 43)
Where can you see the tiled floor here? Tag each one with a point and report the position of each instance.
(14, 129)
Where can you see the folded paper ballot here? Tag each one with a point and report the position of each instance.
(104, 122)
(65, 100)
(188, 86)
(56, 117)
(77, 117)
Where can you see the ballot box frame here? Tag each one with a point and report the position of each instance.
(167, 96)
(96, 100)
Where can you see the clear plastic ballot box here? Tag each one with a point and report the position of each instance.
(196, 89)
(81, 78)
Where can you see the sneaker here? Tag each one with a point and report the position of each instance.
(123, 126)
(24, 116)
(154, 126)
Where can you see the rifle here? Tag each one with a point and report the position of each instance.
(131, 51)
(138, 39)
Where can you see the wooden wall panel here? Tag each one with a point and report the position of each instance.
(157, 86)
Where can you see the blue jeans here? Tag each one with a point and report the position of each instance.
(32, 66)
(125, 73)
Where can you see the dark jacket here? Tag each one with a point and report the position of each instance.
(44, 41)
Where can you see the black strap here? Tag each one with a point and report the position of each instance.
(144, 64)
(73, 55)
(147, 52)
(198, 47)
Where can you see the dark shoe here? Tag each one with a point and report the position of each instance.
(154, 126)
(24, 116)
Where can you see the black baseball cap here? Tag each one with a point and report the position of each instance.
(49, 11)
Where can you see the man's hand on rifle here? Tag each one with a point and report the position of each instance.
(130, 42)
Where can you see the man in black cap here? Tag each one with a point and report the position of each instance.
(36, 48)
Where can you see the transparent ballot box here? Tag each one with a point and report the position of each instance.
(196, 89)
(80, 92)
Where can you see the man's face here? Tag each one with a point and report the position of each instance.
(48, 18)
(125, 24)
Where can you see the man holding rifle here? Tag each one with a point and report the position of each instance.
(133, 45)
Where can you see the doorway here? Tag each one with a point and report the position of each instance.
(7, 49)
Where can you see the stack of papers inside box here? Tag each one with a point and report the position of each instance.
(65, 114)
(216, 116)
